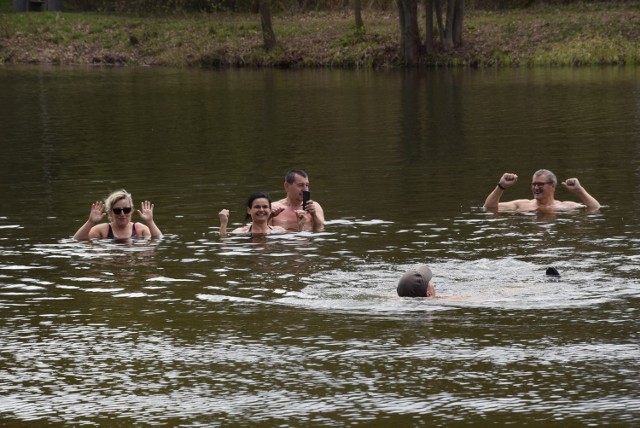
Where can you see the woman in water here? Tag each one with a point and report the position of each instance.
(259, 211)
(119, 209)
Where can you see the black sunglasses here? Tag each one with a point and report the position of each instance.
(117, 211)
(540, 183)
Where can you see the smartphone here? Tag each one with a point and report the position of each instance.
(306, 196)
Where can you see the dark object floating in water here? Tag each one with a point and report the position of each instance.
(551, 271)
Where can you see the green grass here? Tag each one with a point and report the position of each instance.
(581, 35)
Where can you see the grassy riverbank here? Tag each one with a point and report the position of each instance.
(585, 34)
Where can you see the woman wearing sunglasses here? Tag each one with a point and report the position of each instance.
(119, 209)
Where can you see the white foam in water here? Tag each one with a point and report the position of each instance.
(167, 279)
(216, 298)
(507, 284)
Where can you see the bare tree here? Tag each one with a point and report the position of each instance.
(267, 30)
(458, 23)
(357, 10)
(451, 35)
(439, 18)
(429, 42)
(409, 34)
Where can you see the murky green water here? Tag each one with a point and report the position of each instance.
(306, 329)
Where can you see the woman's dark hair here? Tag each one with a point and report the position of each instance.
(253, 197)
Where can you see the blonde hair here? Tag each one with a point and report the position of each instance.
(116, 196)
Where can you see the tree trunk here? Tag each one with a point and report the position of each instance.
(267, 30)
(453, 32)
(428, 40)
(357, 10)
(448, 33)
(439, 18)
(409, 34)
(458, 23)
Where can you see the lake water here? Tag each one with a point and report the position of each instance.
(307, 329)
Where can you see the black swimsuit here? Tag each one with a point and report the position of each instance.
(134, 232)
(249, 231)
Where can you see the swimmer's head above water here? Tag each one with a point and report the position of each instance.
(417, 283)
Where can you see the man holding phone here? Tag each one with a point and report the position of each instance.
(297, 203)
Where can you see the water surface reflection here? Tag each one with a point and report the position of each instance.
(306, 329)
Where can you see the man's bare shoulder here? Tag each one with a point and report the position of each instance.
(281, 202)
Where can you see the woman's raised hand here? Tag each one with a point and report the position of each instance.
(97, 212)
(224, 216)
(146, 211)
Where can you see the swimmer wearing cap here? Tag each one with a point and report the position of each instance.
(417, 283)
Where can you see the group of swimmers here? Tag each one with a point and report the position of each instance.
(293, 213)
(418, 282)
(297, 212)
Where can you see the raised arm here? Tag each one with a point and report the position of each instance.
(95, 216)
(224, 221)
(146, 214)
(492, 202)
(573, 185)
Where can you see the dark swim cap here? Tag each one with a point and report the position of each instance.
(414, 282)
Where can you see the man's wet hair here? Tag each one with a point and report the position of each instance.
(291, 175)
